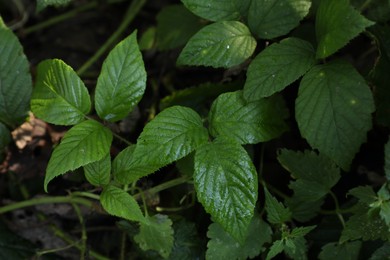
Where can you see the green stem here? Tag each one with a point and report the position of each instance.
(83, 231)
(337, 208)
(86, 194)
(365, 5)
(132, 11)
(163, 186)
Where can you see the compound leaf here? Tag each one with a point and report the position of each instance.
(118, 202)
(333, 110)
(98, 173)
(156, 234)
(122, 81)
(345, 251)
(226, 184)
(269, 19)
(337, 22)
(219, 45)
(278, 66)
(222, 246)
(171, 135)
(214, 10)
(84, 143)
(59, 96)
(247, 122)
(277, 213)
(15, 80)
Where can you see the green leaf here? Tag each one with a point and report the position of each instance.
(148, 39)
(219, 45)
(15, 80)
(171, 135)
(247, 122)
(269, 19)
(84, 143)
(187, 243)
(296, 248)
(13, 246)
(382, 253)
(365, 194)
(175, 26)
(214, 10)
(226, 184)
(337, 22)
(277, 213)
(59, 96)
(5, 137)
(2, 24)
(301, 231)
(42, 4)
(384, 203)
(387, 160)
(122, 81)
(333, 110)
(222, 246)
(156, 234)
(302, 209)
(98, 173)
(278, 66)
(345, 251)
(118, 202)
(276, 248)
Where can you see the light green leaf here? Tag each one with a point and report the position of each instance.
(171, 135)
(59, 96)
(5, 137)
(214, 10)
(42, 4)
(175, 26)
(278, 66)
(222, 246)
(337, 22)
(219, 45)
(84, 143)
(226, 184)
(156, 234)
(345, 251)
(269, 19)
(247, 122)
(2, 24)
(122, 81)
(277, 213)
(119, 203)
(98, 173)
(387, 160)
(384, 203)
(333, 110)
(15, 80)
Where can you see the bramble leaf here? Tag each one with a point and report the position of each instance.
(337, 22)
(333, 110)
(345, 251)
(214, 10)
(84, 143)
(226, 185)
(219, 45)
(156, 234)
(175, 26)
(277, 213)
(98, 173)
(247, 122)
(222, 246)
(171, 135)
(119, 203)
(122, 81)
(15, 80)
(278, 66)
(42, 4)
(269, 19)
(59, 96)
(5, 137)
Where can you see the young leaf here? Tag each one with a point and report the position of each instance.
(5, 137)
(345, 251)
(98, 173)
(214, 10)
(42, 4)
(226, 184)
(175, 26)
(387, 160)
(333, 110)
(118, 202)
(15, 80)
(122, 81)
(278, 66)
(276, 248)
(269, 19)
(59, 96)
(171, 135)
(222, 246)
(219, 45)
(84, 143)
(247, 122)
(337, 22)
(156, 234)
(277, 213)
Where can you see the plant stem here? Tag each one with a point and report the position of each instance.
(336, 202)
(163, 186)
(83, 231)
(131, 12)
(365, 5)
